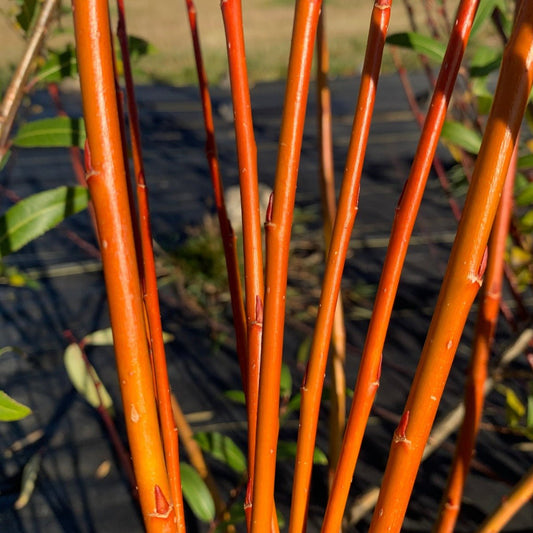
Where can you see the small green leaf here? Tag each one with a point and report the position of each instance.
(526, 196)
(196, 493)
(35, 215)
(525, 162)
(29, 478)
(458, 134)
(526, 222)
(26, 13)
(285, 387)
(4, 159)
(222, 448)
(85, 379)
(515, 409)
(10, 409)
(51, 132)
(236, 396)
(139, 47)
(486, 60)
(419, 43)
(287, 450)
(60, 64)
(529, 417)
(303, 351)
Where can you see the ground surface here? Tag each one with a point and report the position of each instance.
(74, 493)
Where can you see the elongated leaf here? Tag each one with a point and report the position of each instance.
(29, 478)
(37, 214)
(484, 11)
(222, 448)
(196, 493)
(458, 134)
(51, 132)
(236, 396)
(487, 59)
(285, 387)
(10, 409)
(287, 450)
(419, 43)
(60, 64)
(85, 379)
(104, 337)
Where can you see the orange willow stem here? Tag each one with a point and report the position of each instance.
(370, 367)
(228, 236)
(251, 224)
(106, 180)
(337, 415)
(463, 275)
(151, 297)
(347, 211)
(278, 232)
(521, 495)
(477, 375)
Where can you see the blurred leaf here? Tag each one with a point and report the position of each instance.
(459, 134)
(526, 196)
(10, 409)
(35, 215)
(529, 417)
(26, 13)
(427, 46)
(222, 448)
(29, 478)
(139, 47)
(483, 95)
(5, 159)
(85, 379)
(196, 493)
(59, 65)
(285, 386)
(104, 337)
(526, 222)
(515, 409)
(51, 132)
(236, 516)
(525, 162)
(303, 351)
(236, 396)
(486, 59)
(484, 11)
(287, 450)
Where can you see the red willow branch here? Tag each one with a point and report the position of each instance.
(340, 239)
(463, 276)
(278, 232)
(106, 178)
(477, 373)
(150, 291)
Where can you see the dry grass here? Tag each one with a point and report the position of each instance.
(268, 26)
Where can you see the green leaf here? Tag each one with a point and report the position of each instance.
(285, 386)
(303, 351)
(525, 162)
(222, 448)
(29, 478)
(486, 60)
(529, 416)
(10, 409)
(5, 159)
(85, 379)
(419, 43)
(526, 222)
(196, 493)
(236, 396)
(59, 65)
(526, 196)
(51, 132)
(35, 215)
(26, 13)
(287, 450)
(139, 47)
(458, 134)
(484, 11)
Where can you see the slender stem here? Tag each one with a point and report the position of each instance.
(347, 211)
(228, 236)
(15, 91)
(337, 414)
(106, 179)
(463, 276)
(151, 297)
(406, 212)
(521, 495)
(477, 373)
(278, 232)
